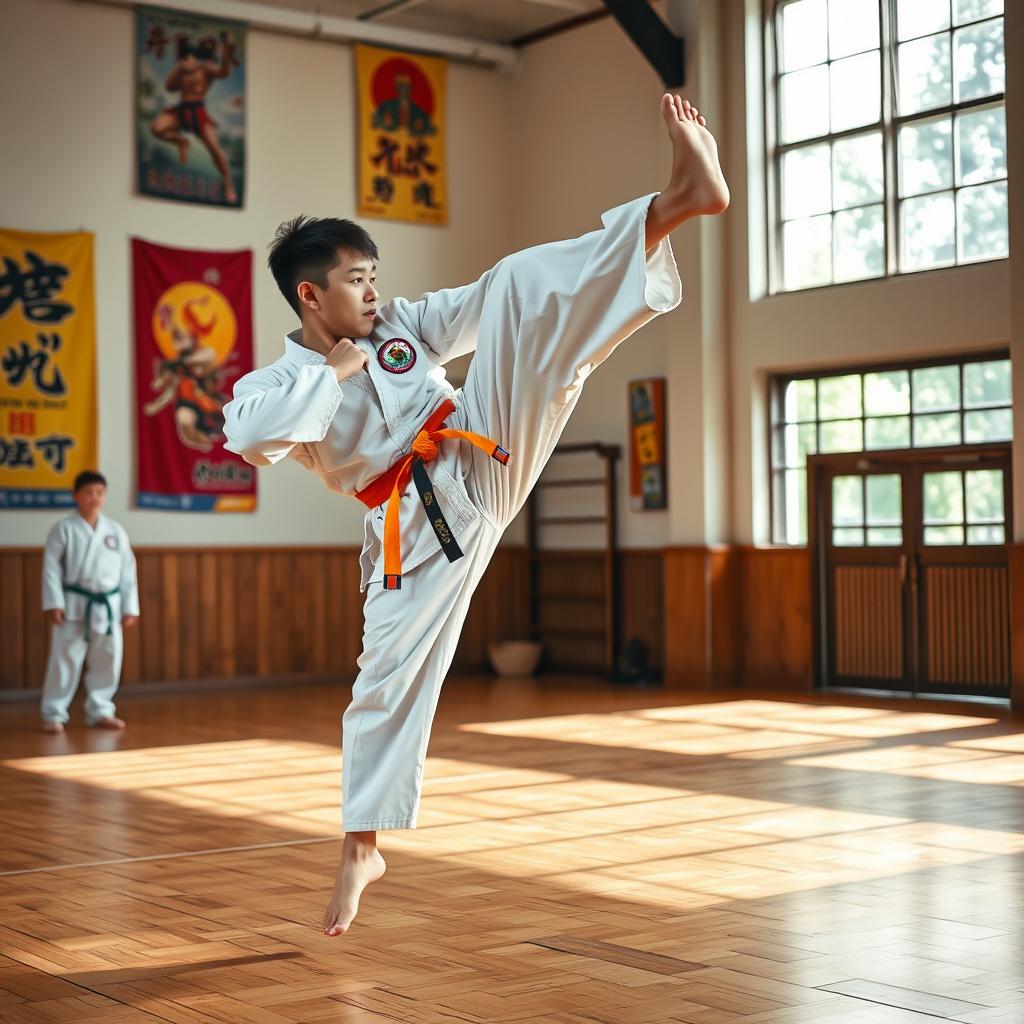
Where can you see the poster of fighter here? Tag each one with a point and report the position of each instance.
(190, 107)
(193, 339)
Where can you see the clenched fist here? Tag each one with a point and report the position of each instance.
(347, 359)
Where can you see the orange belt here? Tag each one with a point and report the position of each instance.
(391, 484)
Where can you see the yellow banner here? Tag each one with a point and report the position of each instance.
(47, 366)
(402, 129)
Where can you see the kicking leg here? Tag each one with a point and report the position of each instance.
(569, 305)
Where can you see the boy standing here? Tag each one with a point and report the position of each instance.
(89, 592)
(360, 398)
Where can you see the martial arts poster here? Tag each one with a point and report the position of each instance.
(648, 487)
(193, 339)
(402, 127)
(190, 107)
(47, 366)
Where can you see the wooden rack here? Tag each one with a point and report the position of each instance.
(539, 596)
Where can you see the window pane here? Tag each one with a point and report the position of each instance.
(852, 26)
(848, 538)
(841, 436)
(990, 425)
(804, 34)
(981, 145)
(886, 536)
(927, 232)
(943, 497)
(984, 229)
(987, 384)
(805, 104)
(800, 401)
(972, 10)
(883, 494)
(799, 441)
(979, 60)
(858, 178)
(946, 535)
(859, 240)
(986, 535)
(807, 252)
(937, 387)
(886, 392)
(943, 428)
(796, 506)
(847, 501)
(856, 91)
(925, 79)
(806, 185)
(926, 157)
(984, 495)
(890, 432)
(839, 397)
(919, 17)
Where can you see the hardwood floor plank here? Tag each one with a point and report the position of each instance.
(585, 854)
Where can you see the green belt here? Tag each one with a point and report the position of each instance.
(95, 598)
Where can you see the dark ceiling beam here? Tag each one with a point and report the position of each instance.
(663, 49)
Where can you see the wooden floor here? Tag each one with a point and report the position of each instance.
(584, 855)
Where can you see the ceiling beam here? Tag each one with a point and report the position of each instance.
(663, 49)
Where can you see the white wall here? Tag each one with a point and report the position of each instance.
(66, 75)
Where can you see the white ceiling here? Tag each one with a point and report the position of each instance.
(493, 21)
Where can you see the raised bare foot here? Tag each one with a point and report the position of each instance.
(53, 728)
(110, 722)
(697, 184)
(361, 864)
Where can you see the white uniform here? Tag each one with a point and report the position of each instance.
(101, 562)
(539, 321)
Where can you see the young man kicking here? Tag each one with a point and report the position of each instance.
(359, 398)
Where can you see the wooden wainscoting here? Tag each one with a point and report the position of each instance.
(738, 615)
(709, 616)
(227, 613)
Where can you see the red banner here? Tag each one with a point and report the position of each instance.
(193, 340)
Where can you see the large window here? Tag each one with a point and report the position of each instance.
(888, 142)
(926, 406)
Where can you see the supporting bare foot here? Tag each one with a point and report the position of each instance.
(182, 143)
(53, 728)
(110, 722)
(361, 864)
(230, 195)
(696, 185)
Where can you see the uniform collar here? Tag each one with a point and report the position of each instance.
(296, 352)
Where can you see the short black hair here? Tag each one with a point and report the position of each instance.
(306, 249)
(89, 476)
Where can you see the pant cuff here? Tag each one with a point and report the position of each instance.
(374, 826)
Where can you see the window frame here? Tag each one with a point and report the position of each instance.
(890, 122)
(776, 421)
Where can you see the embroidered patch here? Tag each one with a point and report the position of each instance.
(396, 356)
(111, 541)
